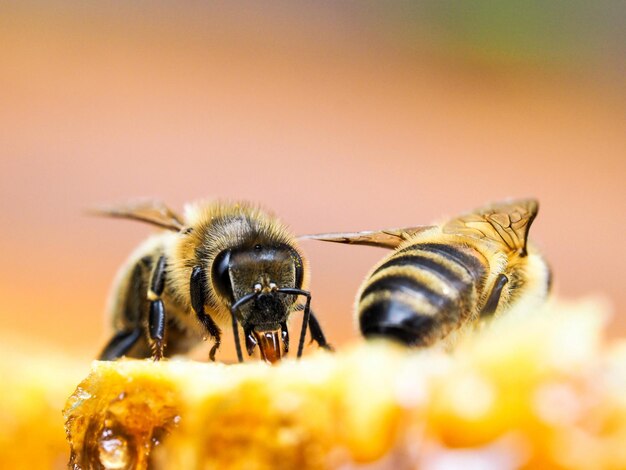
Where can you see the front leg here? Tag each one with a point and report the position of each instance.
(317, 334)
(315, 329)
(196, 292)
(285, 335)
(156, 318)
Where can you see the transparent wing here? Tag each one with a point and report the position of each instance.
(151, 212)
(506, 223)
(389, 238)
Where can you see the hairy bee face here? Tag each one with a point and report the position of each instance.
(260, 270)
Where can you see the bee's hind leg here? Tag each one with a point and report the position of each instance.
(120, 344)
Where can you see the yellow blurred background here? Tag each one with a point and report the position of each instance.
(337, 116)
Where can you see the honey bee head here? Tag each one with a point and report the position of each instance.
(261, 268)
(258, 273)
(250, 262)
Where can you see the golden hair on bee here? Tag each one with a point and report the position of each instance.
(220, 265)
(451, 275)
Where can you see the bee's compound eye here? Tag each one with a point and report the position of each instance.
(299, 265)
(221, 275)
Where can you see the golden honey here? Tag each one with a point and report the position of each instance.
(543, 391)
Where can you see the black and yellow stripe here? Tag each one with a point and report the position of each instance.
(422, 292)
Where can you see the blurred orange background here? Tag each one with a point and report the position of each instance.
(337, 116)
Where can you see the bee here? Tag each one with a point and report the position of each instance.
(221, 265)
(448, 276)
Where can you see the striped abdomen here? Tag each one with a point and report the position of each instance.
(422, 292)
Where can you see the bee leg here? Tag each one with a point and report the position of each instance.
(196, 288)
(494, 297)
(315, 329)
(317, 334)
(156, 318)
(285, 335)
(307, 313)
(306, 320)
(156, 325)
(251, 341)
(120, 344)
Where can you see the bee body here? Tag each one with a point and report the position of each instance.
(221, 265)
(450, 276)
(419, 285)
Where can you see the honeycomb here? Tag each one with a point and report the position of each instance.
(539, 391)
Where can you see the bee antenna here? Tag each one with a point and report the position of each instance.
(307, 312)
(245, 299)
